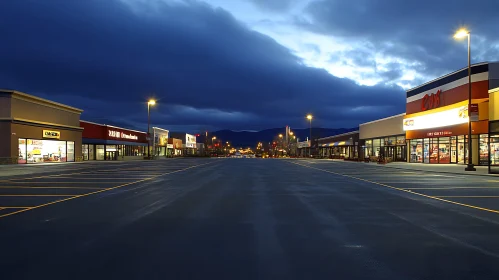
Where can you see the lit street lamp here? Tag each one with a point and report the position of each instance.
(461, 34)
(150, 103)
(310, 117)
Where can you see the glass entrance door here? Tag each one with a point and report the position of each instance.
(111, 155)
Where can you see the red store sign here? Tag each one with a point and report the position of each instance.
(439, 133)
(431, 101)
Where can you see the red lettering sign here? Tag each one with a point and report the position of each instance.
(431, 101)
(438, 133)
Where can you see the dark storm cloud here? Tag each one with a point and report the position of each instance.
(415, 30)
(108, 58)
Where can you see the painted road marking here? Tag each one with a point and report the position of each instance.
(404, 190)
(14, 207)
(43, 187)
(470, 196)
(35, 195)
(451, 188)
(99, 191)
(105, 178)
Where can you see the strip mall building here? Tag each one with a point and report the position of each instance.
(436, 120)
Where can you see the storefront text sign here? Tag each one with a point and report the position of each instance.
(473, 112)
(439, 133)
(449, 117)
(431, 101)
(51, 134)
(117, 134)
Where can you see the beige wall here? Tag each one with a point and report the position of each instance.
(384, 127)
(40, 112)
(493, 105)
(5, 106)
(36, 132)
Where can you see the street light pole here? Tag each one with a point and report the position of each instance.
(149, 104)
(460, 34)
(310, 117)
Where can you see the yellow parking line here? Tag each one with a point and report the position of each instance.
(35, 195)
(470, 196)
(44, 187)
(404, 190)
(99, 191)
(14, 207)
(451, 188)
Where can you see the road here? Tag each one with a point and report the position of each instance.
(247, 219)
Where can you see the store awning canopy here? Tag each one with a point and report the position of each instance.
(339, 143)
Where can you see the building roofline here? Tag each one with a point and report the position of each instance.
(57, 104)
(114, 126)
(339, 135)
(383, 119)
(447, 75)
(154, 127)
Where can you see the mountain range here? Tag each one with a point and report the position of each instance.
(251, 138)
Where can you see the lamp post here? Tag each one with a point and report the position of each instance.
(310, 117)
(150, 103)
(461, 34)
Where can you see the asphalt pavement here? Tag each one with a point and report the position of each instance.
(247, 219)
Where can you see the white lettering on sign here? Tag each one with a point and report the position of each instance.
(117, 134)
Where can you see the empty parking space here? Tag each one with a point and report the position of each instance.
(466, 190)
(18, 193)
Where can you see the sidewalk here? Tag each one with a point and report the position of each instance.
(439, 168)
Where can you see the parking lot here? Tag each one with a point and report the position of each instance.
(478, 192)
(49, 184)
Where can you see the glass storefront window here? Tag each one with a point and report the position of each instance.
(71, 151)
(99, 152)
(484, 149)
(433, 150)
(84, 151)
(45, 151)
(400, 140)
(22, 151)
(426, 150)
(376, 147)
(461, 149)
(416, 147)
(444, 150)
(91, 155)
(494, 150)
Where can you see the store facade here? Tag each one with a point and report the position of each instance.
(188, 141)
(36, 130)
(176, 146)
(436, 121)
(160, 142)
(384, 137)
(106, 142)
(494, 118)
(341, 146)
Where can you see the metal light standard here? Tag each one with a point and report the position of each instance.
(150, 103)
(461, 34)
(310, 117)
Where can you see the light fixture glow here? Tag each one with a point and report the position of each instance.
(309, 117)
(152, 102)
(461, 33)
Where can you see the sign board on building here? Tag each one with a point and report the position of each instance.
(51, 134)
(169, 146)
(473, 112)
(118, 134)
(445, 118)
(430, 101)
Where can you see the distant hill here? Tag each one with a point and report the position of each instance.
(250, 139)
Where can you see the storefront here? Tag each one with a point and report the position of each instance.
(344, 146)
(160, 142)
(36, 130)
(384, 137)
(106, 142)
(189, 142)
(176, 146)
(303, 148)
(436, 123)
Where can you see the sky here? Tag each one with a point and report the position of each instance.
(237, 64)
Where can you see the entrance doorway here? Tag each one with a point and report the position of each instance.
(111, 155)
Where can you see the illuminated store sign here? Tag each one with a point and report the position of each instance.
(440, 119)
(51, 134)
(430, 101)
(117, 134)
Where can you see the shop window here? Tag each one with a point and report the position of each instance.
(443, 150)
(45, 151)
(71, 151)
(426, 150)
(416, 147)
(461, 149)
(22, 151)
(400, 140)
(99, 152)
(494, 151)
(84, 151)
(91, 154)
(484, 149)
(376, 147)
(453, 149)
